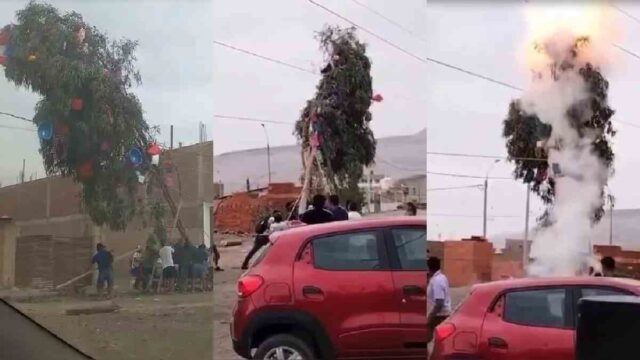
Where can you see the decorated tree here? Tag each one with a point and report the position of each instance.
(526, 134)
(337, 141)
(91, 126)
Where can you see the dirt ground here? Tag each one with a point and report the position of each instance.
(225, 295)
(176, 326)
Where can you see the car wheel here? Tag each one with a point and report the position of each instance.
(283, 347)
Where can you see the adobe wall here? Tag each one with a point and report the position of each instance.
(52, 206)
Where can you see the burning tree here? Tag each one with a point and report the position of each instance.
(333, 128)
(529, 140)
(91, 126)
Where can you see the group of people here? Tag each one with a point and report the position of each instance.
(179, 266)
(322, 210)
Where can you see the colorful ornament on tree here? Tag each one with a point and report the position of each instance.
(377, 98)
(85, 170)
(45, 130)
(154, 149)
(155, 159)
(32, 58)
(105, 146)
(77, 104)
(135, 157)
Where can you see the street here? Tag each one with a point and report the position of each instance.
(161, 327)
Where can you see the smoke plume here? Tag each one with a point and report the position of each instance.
(559, 96)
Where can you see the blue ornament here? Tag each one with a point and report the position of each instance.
(9, 51)
(45, 130)
(135, 156)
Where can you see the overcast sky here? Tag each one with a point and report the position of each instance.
(175, 59)
(247, 86)
(465, 114)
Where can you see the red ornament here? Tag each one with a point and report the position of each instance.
(77, 104)
(85, 170)
(377, 98)
(105, 145)
(4, 37)
(154, 149)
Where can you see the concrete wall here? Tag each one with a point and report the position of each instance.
(8, 234)
(417, 186)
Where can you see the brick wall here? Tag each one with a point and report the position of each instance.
(240, 212)
(468, 261)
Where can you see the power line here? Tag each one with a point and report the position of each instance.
(16, 128)
(629, 52)
(398, 167)
(469, 176)
(263, 57)
(478, 186)
(406, 52)
(627, 14)
(394, 23)
(483, 156)
(16, 116)
(242, 118)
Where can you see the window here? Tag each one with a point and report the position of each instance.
(355, 251)
(544, 308)
(411, 247)
(587, 292)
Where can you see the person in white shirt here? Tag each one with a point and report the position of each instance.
(169, 272)
(278, 224)
(438, 299)
(353, 212)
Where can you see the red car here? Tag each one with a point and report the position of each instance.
(342, 290)
(521, 319)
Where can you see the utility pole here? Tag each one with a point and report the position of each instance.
(484, 212)
(486, 187)
(22, 175)
(266, 134)
(610, 220)
(525, 241)
(171, 136)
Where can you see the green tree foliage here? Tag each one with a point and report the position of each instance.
(62, 58)
(342, 101)
(522, 131)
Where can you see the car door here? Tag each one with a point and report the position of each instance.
(530, 324)
(407, 248)
(344, 281)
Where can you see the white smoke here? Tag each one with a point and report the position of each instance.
(563, 249)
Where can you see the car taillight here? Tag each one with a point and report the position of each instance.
(248, 285)
(445, 330)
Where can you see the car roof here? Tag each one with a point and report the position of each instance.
(501, 285)
(307, 231)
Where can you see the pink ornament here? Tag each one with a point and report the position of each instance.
(377, 98)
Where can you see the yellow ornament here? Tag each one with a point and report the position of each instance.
(31, 58)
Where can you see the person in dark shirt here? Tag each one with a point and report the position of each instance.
(412, 210)
(317, 215)
(339, 213)
(104, 260)
(262, 237)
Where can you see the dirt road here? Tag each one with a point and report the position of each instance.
(163, 327)
(225, 295)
